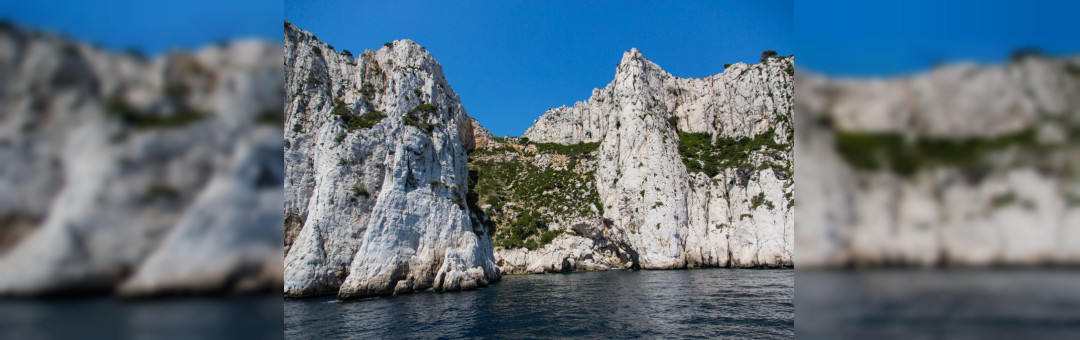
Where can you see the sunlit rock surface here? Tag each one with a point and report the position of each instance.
(376, 174)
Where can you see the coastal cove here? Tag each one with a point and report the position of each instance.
(738, 303)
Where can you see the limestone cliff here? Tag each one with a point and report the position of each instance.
(376, 174)
(669, 173)
(965, 165)
(138, 176)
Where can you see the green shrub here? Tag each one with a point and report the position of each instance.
(425, 108)
(314, 80)
(1002, 200)
(760, 200)
(316, 50)
(767, 54)
(270, 117)
(426, 127)
(360, 190)
(413, 118)
(353, 122)
(368, 91)
(161, 190)
(177, 91)
(389, 44)
(177, 119)
(347, 53)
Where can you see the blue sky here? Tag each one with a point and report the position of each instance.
(878, 38)
(152, 27)
(510, 61)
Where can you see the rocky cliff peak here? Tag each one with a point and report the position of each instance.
(670, 181)
(635, 65)
(376, 174)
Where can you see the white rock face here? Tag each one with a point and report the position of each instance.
(378, 209)
(1016, 205)
(659, 215)
(136, 176)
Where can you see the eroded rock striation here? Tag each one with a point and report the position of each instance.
(122, 174)
(376, 174)
(670, 172)
(966, 165)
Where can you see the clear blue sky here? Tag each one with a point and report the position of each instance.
(152, 27)
(878, 38)
(512, 60)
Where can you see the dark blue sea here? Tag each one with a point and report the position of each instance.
(700, 303)
(241, 317)
(939, 304)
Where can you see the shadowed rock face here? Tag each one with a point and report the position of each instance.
(656, 212)
(375, 172)
(965, 165)
(138, 176)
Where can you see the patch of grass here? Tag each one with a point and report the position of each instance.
(892, 152)
(700, 154)
(570, 150)
(314, 80)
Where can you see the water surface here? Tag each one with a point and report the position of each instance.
(243, 317)
(939, 304)
(710, 303)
